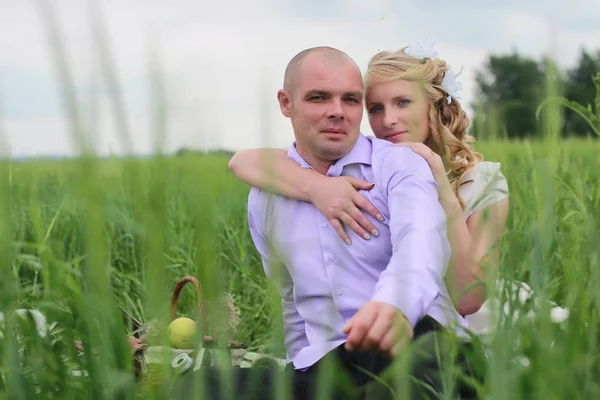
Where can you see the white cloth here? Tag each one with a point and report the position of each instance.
(39, 319)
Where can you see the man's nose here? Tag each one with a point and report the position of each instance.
(336, 109)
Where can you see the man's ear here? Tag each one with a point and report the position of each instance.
(285, 102)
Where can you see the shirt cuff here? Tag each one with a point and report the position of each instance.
(406, 296)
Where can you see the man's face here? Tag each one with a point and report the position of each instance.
(325, 107)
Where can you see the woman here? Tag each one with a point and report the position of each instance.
(410, 101)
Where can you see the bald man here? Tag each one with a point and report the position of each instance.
(355, 306)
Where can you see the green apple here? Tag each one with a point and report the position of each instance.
(182, 333)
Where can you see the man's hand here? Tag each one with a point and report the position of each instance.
(378, 326)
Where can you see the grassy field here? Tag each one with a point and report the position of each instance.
(81, 237)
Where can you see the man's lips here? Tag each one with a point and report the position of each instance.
(333, 132)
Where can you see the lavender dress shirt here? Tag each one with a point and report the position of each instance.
(323, 281)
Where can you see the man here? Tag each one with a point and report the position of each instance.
(359, 304)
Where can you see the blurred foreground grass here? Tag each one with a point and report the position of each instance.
(80, 237)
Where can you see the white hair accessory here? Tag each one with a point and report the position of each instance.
(451, 85)
(424, 49)
(421, 50)
(458, 158)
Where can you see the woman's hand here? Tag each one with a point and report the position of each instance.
(437, 168)
(338, 200)
(432, 158)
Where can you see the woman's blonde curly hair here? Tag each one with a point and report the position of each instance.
(448, 123)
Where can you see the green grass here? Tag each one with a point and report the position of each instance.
(83, 236)
(78, 238)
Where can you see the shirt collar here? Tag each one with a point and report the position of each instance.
(359, 154)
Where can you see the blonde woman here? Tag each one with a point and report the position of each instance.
(410, 101)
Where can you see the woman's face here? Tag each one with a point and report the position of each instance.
(398, 111)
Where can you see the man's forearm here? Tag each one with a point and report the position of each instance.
(421, 251)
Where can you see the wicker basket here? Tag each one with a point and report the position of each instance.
(208, 341)
(175, 299)
(151, 373)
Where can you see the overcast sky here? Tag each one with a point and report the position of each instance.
(223, 61)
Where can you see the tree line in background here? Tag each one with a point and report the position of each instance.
(509, 89)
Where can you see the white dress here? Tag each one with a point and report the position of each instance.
(488, 186)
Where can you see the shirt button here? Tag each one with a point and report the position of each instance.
(331, 258)
(339, 292)
(324, 224)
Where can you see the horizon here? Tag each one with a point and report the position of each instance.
(221, 70)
